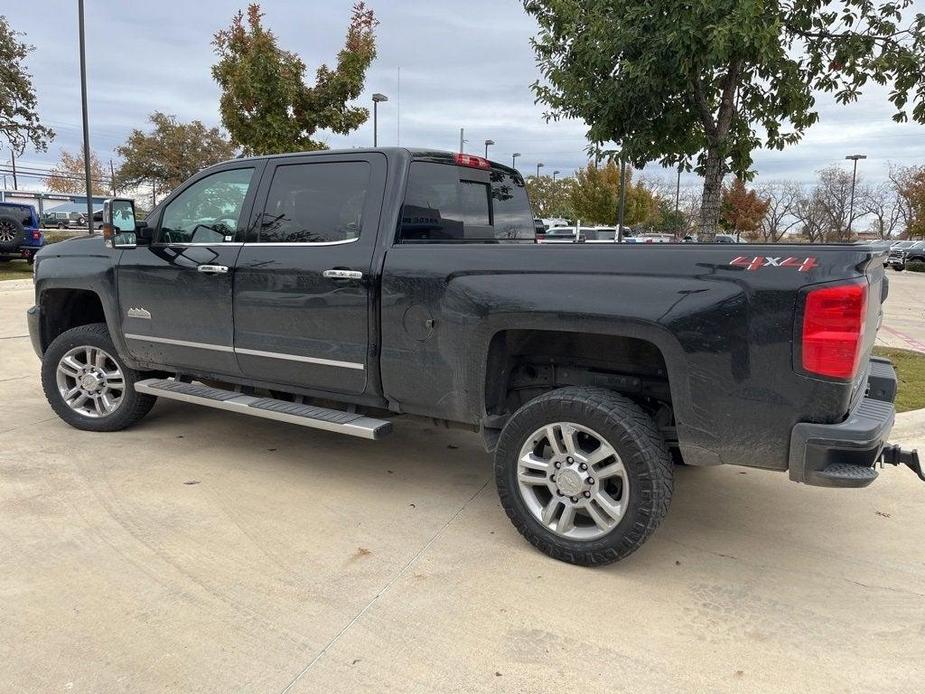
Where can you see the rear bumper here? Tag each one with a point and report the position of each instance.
(844, 454)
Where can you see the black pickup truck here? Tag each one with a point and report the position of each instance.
(337, 289)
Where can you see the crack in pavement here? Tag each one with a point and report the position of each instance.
(384, 589)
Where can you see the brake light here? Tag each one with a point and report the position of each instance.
(36, 235)
(833, 328)
(471, 161)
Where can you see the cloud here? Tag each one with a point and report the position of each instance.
(463, 65)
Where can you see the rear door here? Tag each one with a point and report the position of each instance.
(302, 286)
(175, 295)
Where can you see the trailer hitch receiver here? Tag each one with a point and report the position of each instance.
(894, 455)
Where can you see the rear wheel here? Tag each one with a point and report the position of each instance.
(583, 474)
(88, 385)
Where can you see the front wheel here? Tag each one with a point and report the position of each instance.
(88, 385)
(583, 474)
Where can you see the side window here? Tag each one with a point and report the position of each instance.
(208, 211)
(315, 203)
(443, 204)
(511, 213)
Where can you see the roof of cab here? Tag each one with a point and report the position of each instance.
(413, 152)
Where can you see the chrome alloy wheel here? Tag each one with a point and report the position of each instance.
(573, 481)
(90, 381)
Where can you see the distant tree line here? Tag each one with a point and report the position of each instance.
(769, 212)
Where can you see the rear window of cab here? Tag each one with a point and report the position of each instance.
(448, 203)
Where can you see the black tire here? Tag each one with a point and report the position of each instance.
(133, 406)
(12, 234)
(635, 438)
(62, 225)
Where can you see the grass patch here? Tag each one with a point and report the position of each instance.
(60, 235)
(910, 368)
(15, 270)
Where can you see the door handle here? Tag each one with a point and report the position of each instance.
(339, 274)
(213, 269)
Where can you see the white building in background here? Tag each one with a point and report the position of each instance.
(51, 202)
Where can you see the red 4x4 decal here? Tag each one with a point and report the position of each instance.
(758, 262)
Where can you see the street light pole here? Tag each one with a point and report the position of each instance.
(86, 122)
(487, 144)
(554, 174)
(538, 167)
(677, 194)
(854, 178)
(15, 182)
(514, 159)
(376, 99)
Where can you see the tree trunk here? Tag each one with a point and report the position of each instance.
(711, 201)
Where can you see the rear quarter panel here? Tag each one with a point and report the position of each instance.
(725, 330)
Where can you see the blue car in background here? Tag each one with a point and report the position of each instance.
(20, 232)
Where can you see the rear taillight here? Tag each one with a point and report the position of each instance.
(36, 235)
(833, 330)
(471, 161)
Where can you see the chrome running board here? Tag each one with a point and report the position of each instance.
(268, 408)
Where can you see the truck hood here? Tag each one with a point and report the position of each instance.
(90, 245)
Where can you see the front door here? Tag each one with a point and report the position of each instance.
(175, 295)
(301, 291)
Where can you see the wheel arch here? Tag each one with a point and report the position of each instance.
(640, 360)
(66, 308)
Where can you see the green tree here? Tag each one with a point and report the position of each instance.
(743, 210)
(171, 152)
(909, 185)
(68, 175)
(667, 220)
(266, 105)
(913, 192)
(19, 118)
(551, 198)
(708, 82)
(596, 196)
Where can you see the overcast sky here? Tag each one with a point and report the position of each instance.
(463, 64)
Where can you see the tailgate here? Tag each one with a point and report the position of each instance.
(878, 289)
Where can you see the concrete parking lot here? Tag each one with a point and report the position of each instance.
(201, 551)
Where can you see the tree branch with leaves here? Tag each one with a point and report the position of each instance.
(703, 84)
(266, 105)
(19, 118)
(170, 152)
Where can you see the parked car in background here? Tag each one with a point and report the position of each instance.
(600, 234)
(20, 232)
(899, 257)
(655, 238)
(56, 220)
(560, 235)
